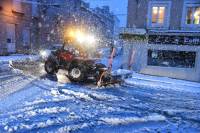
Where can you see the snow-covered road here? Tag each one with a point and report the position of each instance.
(35, 104)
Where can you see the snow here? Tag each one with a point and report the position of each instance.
(77, 94)
(128, 120)
(53, 107)
(121, 72)
(143, 104)
(18, 57)
(162, 82)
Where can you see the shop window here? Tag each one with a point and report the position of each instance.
(166, 58)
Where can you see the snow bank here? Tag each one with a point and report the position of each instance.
(20, 57)
(128, 120)
(121, 72)
(4, 66)
(6, 61)
(162, 82)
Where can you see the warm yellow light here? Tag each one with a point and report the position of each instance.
(78, 36)
(155, 10)
(197, 17)
(71, 33)
(197, 14)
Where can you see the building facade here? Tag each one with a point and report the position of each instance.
(163, 38)
(16, 26)
(56, 16)
(28, 26)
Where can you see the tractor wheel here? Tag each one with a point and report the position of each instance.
(77, 72)
(50, 67)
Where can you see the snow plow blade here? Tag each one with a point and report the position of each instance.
(114, 77)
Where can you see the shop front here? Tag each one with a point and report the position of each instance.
(175, 55)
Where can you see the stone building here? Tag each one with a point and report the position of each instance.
(163, 38)
(16, 26)
(56, 16)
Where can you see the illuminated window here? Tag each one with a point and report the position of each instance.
(193, 15)
(158, 15)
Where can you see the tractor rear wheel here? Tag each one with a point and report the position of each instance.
(50, 67)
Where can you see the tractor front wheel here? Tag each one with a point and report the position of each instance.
(77, 72)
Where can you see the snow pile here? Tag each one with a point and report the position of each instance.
(52, 110)
(47, 110)
(162, 82)
(121, 72)
(77, 94)
(103, 97)
(128, 120)
(37, 101)
(90, 95)
(71, 128)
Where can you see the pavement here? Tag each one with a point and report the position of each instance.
(162, 82)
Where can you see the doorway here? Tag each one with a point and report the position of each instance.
(11, 48)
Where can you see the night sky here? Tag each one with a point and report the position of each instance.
(119, 7)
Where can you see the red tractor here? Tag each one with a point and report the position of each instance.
(74, 58)
(79, 69)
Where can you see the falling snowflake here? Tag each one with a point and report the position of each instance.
(39, 24)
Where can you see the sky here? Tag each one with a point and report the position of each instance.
(118, 7)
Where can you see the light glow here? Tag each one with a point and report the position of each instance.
(197, 16)
(80, 37)
(45, 53)
(90, 39)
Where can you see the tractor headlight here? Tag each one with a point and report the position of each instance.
(80, 37)
(85, 38)
(45, 53)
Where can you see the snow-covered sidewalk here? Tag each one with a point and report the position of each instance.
(18, 57)
(5, 61)
(162, 82)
